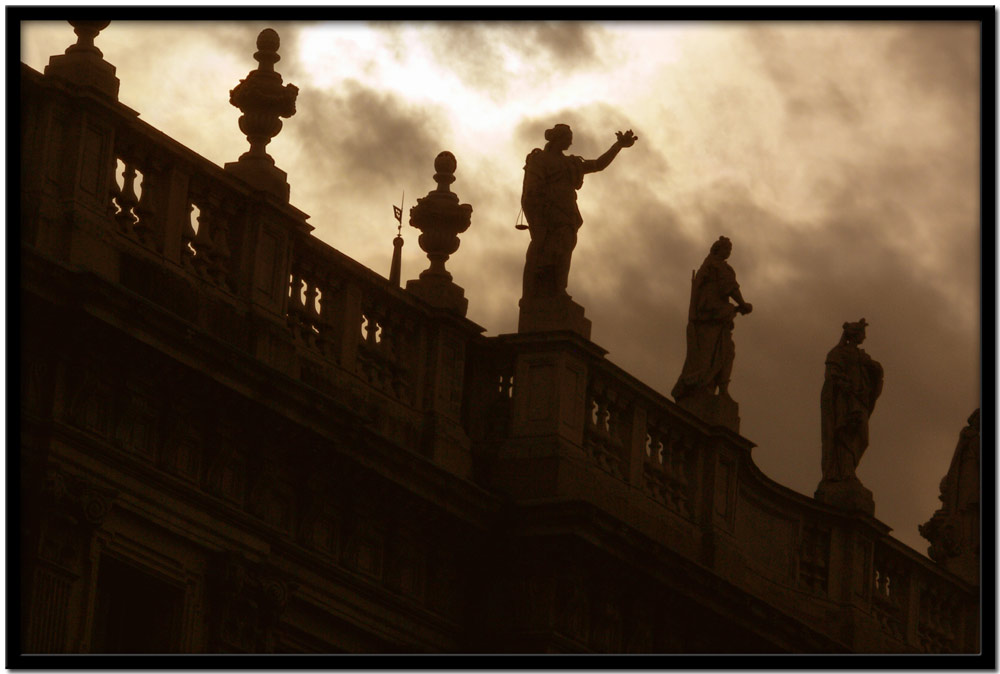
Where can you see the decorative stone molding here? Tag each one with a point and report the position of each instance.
(249, 599)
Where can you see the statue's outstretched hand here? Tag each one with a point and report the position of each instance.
(626, 139)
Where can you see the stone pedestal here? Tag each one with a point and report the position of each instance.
(440, 292)
(83, 63)
(262, 174)
(846, 494)
(717, 410)
(549, 314)
(85, 70)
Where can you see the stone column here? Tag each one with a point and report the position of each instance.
(59, 526)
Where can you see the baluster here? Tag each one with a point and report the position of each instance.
(387, 340)
(295, 307)
(145, 224)
(220, 254)
(603, 414)
(114, 191)
(680, 475)
(127, 200)
(311, 314)
(187, 239)
(324, 319)
(310, 317)
(202, 242)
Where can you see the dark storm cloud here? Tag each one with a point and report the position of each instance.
(357, 136)
(569, 45)
(476, 52)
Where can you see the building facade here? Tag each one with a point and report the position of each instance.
(236, 439)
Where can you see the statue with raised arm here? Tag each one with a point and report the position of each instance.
(703, 385)
(548, 199)
(852, 384)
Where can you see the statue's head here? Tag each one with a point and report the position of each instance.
(722, 248)
(559, 136)
(854, 332)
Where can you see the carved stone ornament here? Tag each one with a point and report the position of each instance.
(953, 531)
(249, 598)
(703, 385)
(263, 100)
(548, 200)
(440, 218)
(852, 384)
(76, 497)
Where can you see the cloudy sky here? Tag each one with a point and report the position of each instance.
(842, 159)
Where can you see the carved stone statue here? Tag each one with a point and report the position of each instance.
(548, 199)
(953, 531)
(703, 386)
(852, 384)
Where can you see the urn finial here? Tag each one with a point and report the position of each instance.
(86, 31)
(440, 218)
(263, 100)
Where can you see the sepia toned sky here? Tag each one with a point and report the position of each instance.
(842, 159)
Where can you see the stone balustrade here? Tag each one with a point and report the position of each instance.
(583, 429)
(530, 416)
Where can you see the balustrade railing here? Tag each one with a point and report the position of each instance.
(354, 318)
(181, 213)
(916, 602)
(607, 426)
(174, 204)
(669, 463)
(637, 436)
(890, 591)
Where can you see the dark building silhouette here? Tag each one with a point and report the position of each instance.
(234, 438)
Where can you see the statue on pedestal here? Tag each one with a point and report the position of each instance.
(953, 531)
(548, 199)
(703, 386)
(852, 384)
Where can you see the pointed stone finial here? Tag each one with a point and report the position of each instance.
(441, 219)
(263, 100)
(83, 63)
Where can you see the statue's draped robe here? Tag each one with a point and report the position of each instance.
(960, 487)
(852, 384)
(710, 347)
(954, 528)
(548, 198)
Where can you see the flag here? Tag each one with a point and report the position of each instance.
(398, 212)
